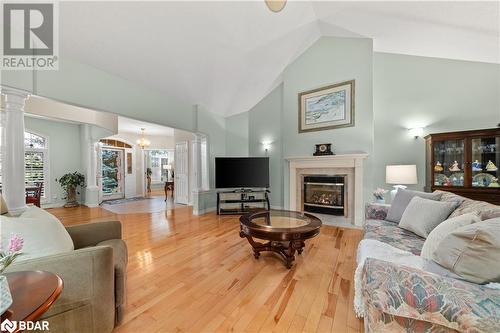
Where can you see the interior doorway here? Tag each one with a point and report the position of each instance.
(159, 169)
(112, 169)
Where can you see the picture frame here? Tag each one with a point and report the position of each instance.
(327, 107)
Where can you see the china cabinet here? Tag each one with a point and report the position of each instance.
(466, 163)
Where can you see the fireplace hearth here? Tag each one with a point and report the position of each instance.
(325, 194)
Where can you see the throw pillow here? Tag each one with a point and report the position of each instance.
(472, 252)
(443, 230)
(401, 201)
(42, 232)
(3, 206)
(423, 215)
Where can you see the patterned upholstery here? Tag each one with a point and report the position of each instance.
(390, 233)
(374, 211)
(468, 205)
(403, 299)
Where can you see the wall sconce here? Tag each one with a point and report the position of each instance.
(416, 132)
(266, 145)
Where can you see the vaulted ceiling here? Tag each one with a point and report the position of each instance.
(227, 56)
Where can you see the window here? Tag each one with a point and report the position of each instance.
(36, 156)
(36, 167)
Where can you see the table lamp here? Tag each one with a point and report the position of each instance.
(400, 176)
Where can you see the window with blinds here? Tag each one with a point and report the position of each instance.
(36, 161)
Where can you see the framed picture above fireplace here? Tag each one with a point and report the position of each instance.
(327, 107)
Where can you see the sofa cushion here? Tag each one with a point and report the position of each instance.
(443, 230)
(423, 215)
(390, 233)
(120, 258)
(467, 205)
(42, 232)
(472, 252)
(3, 206)
(401, 201)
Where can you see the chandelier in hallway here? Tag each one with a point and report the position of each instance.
(143, 142)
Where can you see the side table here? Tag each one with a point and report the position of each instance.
(33, 293)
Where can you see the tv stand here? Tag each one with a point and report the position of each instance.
(239, 198)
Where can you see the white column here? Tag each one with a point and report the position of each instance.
(89, 150)
(196, 163)
(13, 187)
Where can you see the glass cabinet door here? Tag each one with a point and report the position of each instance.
(449, 161)
(485, 161)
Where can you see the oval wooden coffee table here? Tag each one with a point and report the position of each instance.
(33, 292)
(284, 230)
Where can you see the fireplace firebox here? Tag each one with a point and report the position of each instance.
(325, 194)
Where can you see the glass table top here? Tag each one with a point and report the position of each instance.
(280, 219)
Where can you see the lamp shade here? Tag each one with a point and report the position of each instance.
(401, 174)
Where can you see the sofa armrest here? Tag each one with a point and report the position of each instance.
(415, 299)
(90, 234)
(376, 211)
(86, 303)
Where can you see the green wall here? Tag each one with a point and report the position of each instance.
(237, 135)
(393, 93)
(331, 60)
(64, 151)
(82, 85)
(438, 94)
(275, 118)
(264, 121)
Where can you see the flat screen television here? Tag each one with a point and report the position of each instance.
(241, 172)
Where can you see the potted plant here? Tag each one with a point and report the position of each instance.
(70, 182)
(7, 257)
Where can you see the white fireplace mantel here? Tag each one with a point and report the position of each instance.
(351, 161)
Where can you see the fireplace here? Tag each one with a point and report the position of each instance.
(325, 194)
(347, 166)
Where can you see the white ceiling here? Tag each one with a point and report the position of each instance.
(133, 126)
(227, 56)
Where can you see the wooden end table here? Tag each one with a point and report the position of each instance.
(169, 186)
(284, 230)
(33, 293)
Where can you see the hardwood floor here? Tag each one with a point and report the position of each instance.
(195, 274)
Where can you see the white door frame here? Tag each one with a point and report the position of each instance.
(121, 194)
(182, 179)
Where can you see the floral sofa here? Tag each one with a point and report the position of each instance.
(397, 298)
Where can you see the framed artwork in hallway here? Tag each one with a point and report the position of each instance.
(327, 107)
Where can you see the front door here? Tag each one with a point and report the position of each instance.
(181, 173)
(112, 170)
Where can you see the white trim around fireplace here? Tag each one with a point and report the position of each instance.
(303, 164)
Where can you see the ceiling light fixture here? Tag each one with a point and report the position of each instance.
(142, 142)
(275, 5)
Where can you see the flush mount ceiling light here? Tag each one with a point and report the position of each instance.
(142, 142)
(275, 5)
